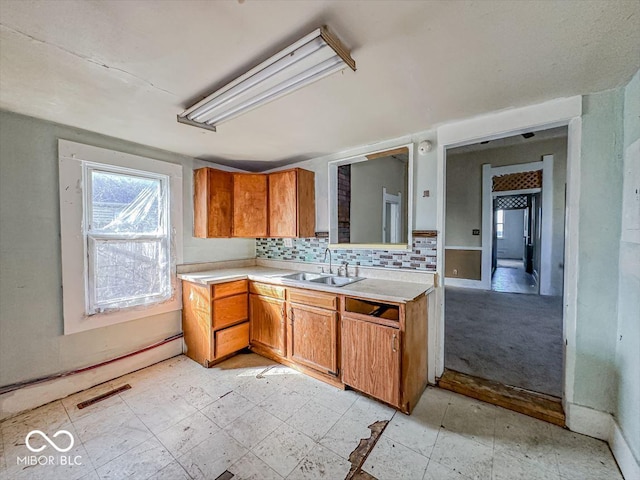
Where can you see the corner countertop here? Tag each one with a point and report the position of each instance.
(375, 289)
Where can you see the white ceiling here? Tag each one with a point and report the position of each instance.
(126, 68)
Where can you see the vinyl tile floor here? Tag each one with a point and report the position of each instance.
(510, 277)
(261, 420)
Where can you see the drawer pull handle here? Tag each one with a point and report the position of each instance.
(393, 343)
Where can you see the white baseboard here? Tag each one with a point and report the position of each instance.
(33, 396)
(588, 421)
(464, 283)
(622, 452)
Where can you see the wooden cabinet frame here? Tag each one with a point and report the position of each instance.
(253, 205)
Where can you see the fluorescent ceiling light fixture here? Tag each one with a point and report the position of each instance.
(309, 59)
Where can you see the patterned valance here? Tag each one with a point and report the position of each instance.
(511, 202)
(517, 181)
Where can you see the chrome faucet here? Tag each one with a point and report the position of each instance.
(327, 250)
(344, 268)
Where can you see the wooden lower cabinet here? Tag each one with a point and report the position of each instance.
(375, 347)
(268, 328)
(215, 320)
(371, 359)
(313, 338)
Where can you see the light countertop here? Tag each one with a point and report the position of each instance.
(375, 289)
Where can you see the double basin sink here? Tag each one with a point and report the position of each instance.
(320, 278)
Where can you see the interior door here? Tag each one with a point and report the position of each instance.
(371, 359)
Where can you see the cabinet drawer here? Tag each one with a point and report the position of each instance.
(230, 288)
(231, 339)
(230, 310)
(266, 290)
(314, 299)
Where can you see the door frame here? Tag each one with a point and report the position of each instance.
(546, 240)
(551, 114)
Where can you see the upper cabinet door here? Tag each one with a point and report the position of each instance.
(283, 201)
(212, 203)
(249, 205)
(292, 207)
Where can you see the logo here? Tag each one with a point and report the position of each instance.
(45, 437)
(60, 445)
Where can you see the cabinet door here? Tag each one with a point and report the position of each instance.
(267, 323)
(306, 203)
(313, 339)
(249, 205)
(283, 218)
(371, 359)
(212, 203)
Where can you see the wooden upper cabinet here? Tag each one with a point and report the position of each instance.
(250, 205)
(292, 206)
(229, 204)
(212, 203)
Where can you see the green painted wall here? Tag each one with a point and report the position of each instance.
(32, 343)
(627, 409)
(598, 248)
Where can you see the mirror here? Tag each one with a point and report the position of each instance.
(370, 200)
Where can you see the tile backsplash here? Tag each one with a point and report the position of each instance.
(421, 257)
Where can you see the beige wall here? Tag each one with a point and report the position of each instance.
(466, 264)
(464, 189)
(367, 180)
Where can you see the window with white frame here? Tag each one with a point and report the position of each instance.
(126, 238)
(121, 236)
(500, 223)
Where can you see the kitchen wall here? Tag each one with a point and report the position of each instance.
(421, 257)
(627, 358)
(600, 182)
(464, 188)
(424, 178)
(31, 340)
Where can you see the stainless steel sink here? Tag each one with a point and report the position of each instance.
(323, 279)
(303, 276)
(337, 281)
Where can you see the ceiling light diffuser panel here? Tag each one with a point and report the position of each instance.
(311, 58)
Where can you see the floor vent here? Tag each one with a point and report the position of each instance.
(104, 396)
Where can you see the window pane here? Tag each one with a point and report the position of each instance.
(500, 230)
(127, 273)
(125, 204)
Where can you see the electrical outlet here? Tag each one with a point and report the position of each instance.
(426, 193)
(455, 272)
(288, 242)
(475, 231)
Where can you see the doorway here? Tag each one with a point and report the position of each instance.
(515, 256)
(508, 330)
